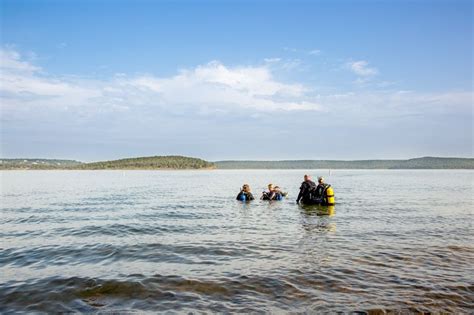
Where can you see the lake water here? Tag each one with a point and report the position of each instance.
(148, 241)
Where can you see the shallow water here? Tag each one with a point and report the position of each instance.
(147, 241)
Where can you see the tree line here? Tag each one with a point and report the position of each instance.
(153, 162)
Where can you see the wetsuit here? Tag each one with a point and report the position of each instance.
(320, 193)
(305, 191)
(248, 196)
(271, 195)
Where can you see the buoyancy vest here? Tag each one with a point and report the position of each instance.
(278, 196)
(245, 196)
(242, 196)
(322, 194)
(265, 195)
(272, 196)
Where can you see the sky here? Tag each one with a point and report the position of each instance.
(220, 80)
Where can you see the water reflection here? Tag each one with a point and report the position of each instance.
(317, 218)
(318, 210)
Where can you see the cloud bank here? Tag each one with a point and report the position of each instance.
(200, 110)
(210, 86)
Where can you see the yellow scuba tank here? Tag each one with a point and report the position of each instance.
(330, 196)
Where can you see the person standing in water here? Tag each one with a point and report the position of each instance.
(324, 193)
(273, 193)
(305, 190)
(245, 194)
(270, 194)
(280, 194)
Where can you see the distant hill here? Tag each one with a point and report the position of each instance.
(182, 162)
(418, 163)
(149, 163)
(36, 164)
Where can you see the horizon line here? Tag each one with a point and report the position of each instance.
(245, 160)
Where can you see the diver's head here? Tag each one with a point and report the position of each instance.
(270, 187)
(246, 188)
(307, 177)
(320, 179)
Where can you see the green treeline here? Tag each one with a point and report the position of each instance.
(151, 163)
(418, 163)
(182, 162)
(36, 164)
(148, 163)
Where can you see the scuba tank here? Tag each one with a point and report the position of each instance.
(242, 197)
(330, 196)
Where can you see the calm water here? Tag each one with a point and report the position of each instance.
(147, 241)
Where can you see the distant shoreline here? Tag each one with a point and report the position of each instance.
(109, 169)
(233, 169)
(173, 163)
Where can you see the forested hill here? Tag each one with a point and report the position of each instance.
(182, 162)
(418, 163)
(149, 163)
(36, 164)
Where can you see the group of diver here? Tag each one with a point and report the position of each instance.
(310, 193)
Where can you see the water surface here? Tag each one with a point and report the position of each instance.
(147, 241)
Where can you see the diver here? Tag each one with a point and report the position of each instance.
(324, 193)
(273, 193)
(245, 194)
(268, 195)
(306, 190)
(280, 194)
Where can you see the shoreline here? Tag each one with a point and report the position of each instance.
(243, 169)
(173, 163)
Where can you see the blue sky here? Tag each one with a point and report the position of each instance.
(94, 80)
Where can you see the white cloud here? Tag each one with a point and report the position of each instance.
(23, 84)
(217, 86)
(361, 68)
(292, 64)
(10, 61)
(372, 105)
(291, 49)
(197, 110)
(313, 52)
(210, 86)
(271, 60)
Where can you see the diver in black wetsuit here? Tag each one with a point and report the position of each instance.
(321, 193)
(273, 193)
(245, 194)
(280, 194)
(270, 194)
(306, 188)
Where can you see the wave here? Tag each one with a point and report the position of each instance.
(235, 293)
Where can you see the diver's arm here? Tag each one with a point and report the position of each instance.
(300, 194)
